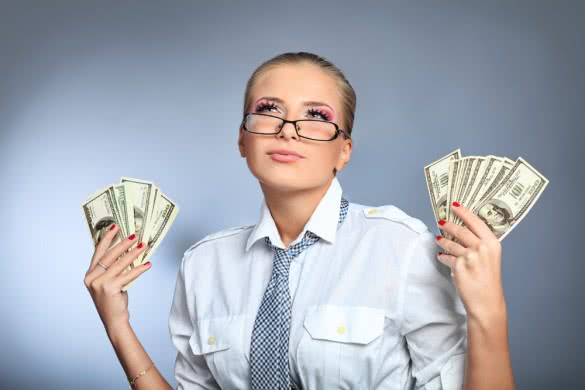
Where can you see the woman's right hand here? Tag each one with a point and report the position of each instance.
(105, 285)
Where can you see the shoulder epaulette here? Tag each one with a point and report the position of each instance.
(220, 234)
(393, 213)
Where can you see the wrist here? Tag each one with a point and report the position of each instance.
(490, 318)
(491, 307)
(117, 331)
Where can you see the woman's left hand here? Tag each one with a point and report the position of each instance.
(475, 264)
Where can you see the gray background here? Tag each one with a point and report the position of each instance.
(91, 91)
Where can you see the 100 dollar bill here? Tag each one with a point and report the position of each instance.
(498, 190)
(138, 207)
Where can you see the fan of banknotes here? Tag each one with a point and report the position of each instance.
(498, 190)
(136, 206)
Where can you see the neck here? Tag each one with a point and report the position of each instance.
(291, 210)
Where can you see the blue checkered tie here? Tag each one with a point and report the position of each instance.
(270, 336)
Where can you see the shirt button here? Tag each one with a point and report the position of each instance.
(211, 340)
(372, 211)
(341, 329)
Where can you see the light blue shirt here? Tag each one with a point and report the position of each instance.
(372, 307)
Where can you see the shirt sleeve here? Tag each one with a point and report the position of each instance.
(434, 320)
(191, 371)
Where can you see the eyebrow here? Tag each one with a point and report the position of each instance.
(306, 103)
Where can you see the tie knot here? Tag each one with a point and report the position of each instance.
(283, 257)
(294, 250)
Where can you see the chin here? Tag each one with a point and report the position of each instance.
(282, 180)
(285, 181)
(286, 177)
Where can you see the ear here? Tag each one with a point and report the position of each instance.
(345, 155)
(241, 143)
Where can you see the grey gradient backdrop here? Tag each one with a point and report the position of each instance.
(91, 91)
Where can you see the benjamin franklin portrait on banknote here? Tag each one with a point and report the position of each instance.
(497, 215)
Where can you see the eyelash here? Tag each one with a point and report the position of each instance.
(311, 111)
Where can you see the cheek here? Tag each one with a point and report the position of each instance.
(256, 157)
(252, 146)
(328, 155)
(323, 158)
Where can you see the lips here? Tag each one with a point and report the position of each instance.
(286, 158)
(286, 152)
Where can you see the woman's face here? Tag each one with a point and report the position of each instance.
(293, 86)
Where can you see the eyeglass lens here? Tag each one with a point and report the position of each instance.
(307, 128)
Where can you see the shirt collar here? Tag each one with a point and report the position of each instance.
(323, 222)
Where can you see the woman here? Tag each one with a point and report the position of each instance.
(321, 293)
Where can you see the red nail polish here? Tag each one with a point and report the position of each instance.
(132, 236)
(442, 222)
(147, 264)
(140, 245)
(456, 204)
(439, 237)
(113, 226)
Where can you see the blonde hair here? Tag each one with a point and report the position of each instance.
(346, 91)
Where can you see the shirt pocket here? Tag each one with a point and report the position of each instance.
(220, 341)
(340, 347)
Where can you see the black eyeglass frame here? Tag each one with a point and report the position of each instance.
(284, 121)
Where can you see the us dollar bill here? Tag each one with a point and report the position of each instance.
(138, 207)
(509, 202)
(453, 178)
(101, 212)
(121, 193)
(142, 194)
(497, 189)
(464, 181)
(437, 179)
(164, 213)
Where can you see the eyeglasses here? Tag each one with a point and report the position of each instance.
(313, 129)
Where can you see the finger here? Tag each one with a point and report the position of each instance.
(453, 262)
(104, 243)
(450, 246)
(472, 221)
(461, 233)
(119, 266)
(134, 273)
(444, 258)
(110, 257)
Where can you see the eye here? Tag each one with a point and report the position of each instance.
(265, 106)
(323, 115)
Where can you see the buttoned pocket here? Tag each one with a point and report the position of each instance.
(340, 349)
(220, 341)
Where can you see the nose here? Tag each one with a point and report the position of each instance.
(288, 132)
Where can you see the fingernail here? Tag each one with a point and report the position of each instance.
(132, 236)
(456, 204)
(442, 222)
(147, 264)
(439, 237)
(140, 245)
(113, 226)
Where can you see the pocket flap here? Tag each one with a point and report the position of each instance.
(215, 334)
(350, 324)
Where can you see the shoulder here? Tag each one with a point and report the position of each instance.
(391, 215)
(217, 237)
